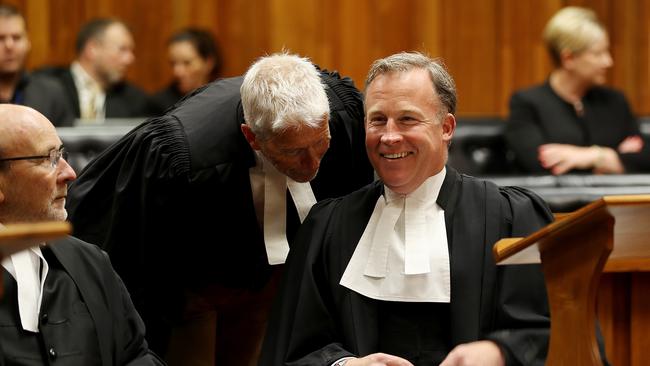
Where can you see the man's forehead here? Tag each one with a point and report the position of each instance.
(301, 136)
(8, 25)
(27, 133)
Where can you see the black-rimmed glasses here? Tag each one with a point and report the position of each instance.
(54, 156)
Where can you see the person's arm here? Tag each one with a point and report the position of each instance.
(634, 151)
(523, 133)
(562, 158)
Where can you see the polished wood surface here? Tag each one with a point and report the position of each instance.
(16, 237)
(624, 314)
(572, 261)
(492, 47)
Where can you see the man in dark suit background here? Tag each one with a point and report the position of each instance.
(94, 83)
(62, 302)
(16, 85)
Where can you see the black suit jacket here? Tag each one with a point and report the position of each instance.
(120, 330)
(123, 100)
(45, 95)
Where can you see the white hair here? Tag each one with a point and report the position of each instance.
(283, 91)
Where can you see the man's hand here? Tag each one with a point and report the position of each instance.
(483, 353)
(378, 359)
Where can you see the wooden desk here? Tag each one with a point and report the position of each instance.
(596, 263)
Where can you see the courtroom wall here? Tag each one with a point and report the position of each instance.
(492, 47)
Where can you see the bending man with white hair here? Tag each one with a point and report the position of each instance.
(197, 207)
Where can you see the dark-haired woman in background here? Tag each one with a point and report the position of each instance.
(195, 60)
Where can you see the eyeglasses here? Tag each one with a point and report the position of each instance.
(54, 156)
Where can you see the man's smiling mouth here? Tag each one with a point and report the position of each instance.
(395, 155)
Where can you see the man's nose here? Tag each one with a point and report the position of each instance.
(392, 133)
(65, 174)
(311, 159)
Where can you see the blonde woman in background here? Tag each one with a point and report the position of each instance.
(572, 123)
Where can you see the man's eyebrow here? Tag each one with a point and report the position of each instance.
(410, 111)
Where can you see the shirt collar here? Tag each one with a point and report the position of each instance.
(428, 191)
(82, 79)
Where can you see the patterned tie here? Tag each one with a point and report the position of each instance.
(89, 108)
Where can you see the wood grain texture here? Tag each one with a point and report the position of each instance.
(492, 47)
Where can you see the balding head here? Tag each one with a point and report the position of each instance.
(32, 188)
(21, 128)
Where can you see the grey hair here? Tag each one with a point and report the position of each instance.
(572, 28)
(283, 91)
(443, 83)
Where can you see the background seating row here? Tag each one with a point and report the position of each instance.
(478, 149)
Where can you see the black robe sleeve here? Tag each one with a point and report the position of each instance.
(127, 201)
(521, 321)
(345, 167)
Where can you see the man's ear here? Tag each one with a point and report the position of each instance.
(250, 136)
(92, 48)
(448, 127)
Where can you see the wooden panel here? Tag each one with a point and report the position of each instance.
(492, 47)
(624, 316)
(613, 311)
(640, 314)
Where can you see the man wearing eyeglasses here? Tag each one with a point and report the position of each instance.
(62, 302)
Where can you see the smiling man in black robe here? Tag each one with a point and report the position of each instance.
(401, 272)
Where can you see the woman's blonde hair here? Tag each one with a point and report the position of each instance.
(574, 29)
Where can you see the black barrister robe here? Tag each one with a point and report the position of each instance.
(171, 202)
(316, 321)
(119, 329)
